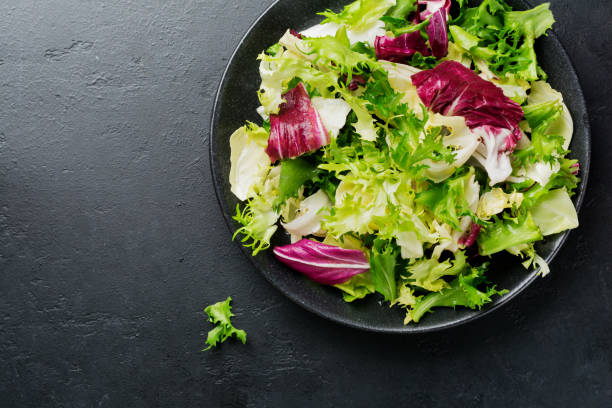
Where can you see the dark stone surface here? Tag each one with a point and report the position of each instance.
(112, 242)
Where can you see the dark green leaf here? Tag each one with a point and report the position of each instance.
(294, 173)
(422, 62)
(325, 181)
(364, 48)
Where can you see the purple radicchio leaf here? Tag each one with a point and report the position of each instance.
(326, 264)
(400, 48)
(469, 239)
(296, 34)
(432, 6)
(438, 37)
(297, 128)
(356, 82)
(454, 90)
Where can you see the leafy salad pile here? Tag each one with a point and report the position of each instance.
(402, 143)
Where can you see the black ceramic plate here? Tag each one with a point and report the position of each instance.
(236, 102)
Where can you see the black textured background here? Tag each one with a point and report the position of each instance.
(112, 241)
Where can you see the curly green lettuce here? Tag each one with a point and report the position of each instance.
(220, 315)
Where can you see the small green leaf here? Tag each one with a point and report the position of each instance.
(220, 314)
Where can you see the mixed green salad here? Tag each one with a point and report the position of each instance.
(403, 143)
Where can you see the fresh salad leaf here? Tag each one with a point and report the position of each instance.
(402, 9)
(470, 43)
(336, 53)
(383, 262)
(220, 315)
(259, 216)
(322, 263)
(448, 201)
(400, 48)
(406, 298)
(326, 181)
(428, 273)
(358, 287)
(311, 212)
(503, 38)
(470, 238)
(279, 70)
(249, 161)
(566, 177)
(507, 232)
(399, 26)
(530, 23)
(555, 213)
(361, 196)
(410, 143)
(545, 147)
(460, 141)
(495, 201)
(297, 128)
(484, 21)
(438, 36)
(454, 90)
(360, 14)
(293, 174)
(516, 53)
(333, 113)
(463, 291)
(542, 92)
(433, 6)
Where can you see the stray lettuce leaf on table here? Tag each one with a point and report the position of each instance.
(220, 315)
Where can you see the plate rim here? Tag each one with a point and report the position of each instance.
(405, 330)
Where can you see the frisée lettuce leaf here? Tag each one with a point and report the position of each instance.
(463, 291)
(360, 14)
(507, 232)
(220, 315)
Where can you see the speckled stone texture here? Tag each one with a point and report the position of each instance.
(112, 241)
